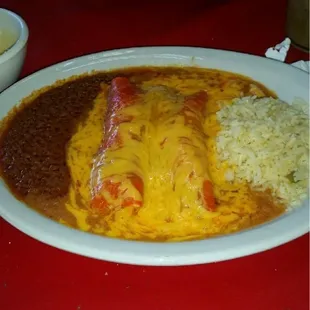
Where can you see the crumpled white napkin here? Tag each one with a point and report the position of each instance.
(279, 52)
(303, 65)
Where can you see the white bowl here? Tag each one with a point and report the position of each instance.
(284, 79)
(11, 61)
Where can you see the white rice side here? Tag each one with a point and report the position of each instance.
(267, 141)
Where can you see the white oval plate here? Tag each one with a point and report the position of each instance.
(284, 79)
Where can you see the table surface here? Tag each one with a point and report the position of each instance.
(35, 276)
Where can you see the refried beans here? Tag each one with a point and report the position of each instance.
(33, 148)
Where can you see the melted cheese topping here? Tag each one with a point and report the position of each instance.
(166, 214)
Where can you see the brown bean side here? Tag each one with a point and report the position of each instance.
(33, 148)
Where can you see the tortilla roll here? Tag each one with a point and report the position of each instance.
(190, 166)
(116, 178)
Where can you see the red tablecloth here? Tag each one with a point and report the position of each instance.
(34, 276)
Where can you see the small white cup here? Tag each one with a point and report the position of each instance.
(12, 60)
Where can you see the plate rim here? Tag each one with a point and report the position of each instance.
(134, 252)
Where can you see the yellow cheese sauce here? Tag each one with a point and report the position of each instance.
(162, 216)
(7, 40)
